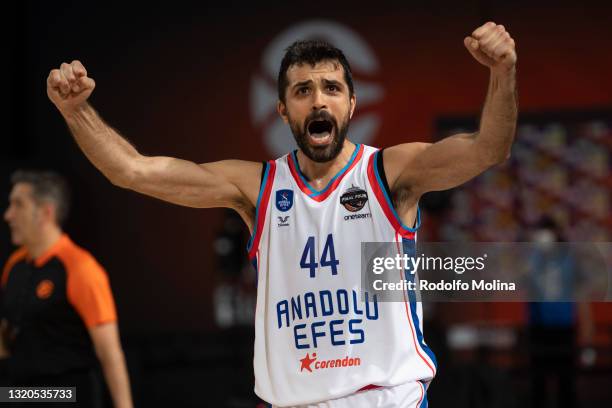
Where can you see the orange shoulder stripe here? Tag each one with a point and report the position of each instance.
(88, 288)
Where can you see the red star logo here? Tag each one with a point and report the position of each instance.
(307, 361)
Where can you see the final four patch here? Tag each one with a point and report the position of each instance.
(284, 200)
(354, 199)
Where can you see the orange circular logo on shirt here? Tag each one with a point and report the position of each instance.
(44, 289)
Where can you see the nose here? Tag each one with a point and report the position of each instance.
(8, 214)
(318, 101)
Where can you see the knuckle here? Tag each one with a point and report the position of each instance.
(56, 78)
(78, 67)
(66, 70)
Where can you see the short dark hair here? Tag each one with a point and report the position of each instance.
(46, 186)
(311, 52)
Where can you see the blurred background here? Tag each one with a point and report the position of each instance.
(198, 82)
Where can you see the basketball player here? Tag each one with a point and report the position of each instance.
(317, 343)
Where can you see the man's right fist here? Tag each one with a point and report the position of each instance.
(69, 87)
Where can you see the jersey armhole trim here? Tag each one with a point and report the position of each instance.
(378, 181)
(264, 167)
(261, 207)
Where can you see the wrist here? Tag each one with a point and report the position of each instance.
(503, 79)
(502, 72)
(75, 112)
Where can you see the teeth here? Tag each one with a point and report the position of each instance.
(320, 138)
(319, 135)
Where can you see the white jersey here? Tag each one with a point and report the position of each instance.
(315, 338)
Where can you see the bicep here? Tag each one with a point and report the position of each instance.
(424, 167)
(226, 183)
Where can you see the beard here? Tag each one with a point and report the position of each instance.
(330, 151)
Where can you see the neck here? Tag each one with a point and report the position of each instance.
(319, 172)
(44, 241)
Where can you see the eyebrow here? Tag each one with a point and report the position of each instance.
(302, 83)
(309, 81)
(333, 82)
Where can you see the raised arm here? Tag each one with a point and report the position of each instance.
(229, 183)
(421, 167)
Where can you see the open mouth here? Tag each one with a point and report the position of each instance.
(320, 131)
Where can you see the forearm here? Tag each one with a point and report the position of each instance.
(104, 147)
(499, 116)
(116, 376)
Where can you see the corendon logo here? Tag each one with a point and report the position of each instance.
(310, 363)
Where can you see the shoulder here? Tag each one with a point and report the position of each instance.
(15, 258)
(80, 263)
(399, 157)
(405, 151)
(244, 175)
(88, 287)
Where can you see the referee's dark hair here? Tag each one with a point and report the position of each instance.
(47, 186)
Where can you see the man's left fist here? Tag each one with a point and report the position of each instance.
(492, 46)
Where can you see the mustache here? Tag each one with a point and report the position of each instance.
(320, 115)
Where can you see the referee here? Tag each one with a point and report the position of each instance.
(58, 313)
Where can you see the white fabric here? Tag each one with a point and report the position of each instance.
(407, 395)
(390, 353)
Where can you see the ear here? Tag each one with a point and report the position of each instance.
(281, 108)
(48, 212)
(353, 103)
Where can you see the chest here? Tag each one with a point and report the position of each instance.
(33, 293)
(344, 205)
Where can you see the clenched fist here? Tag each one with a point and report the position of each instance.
(492, 46)
(69, 86)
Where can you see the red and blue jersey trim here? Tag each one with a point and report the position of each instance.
(409, 248)
(320, 195)
(422, 403)
(261, 208)
(381, 190)
(385, 202)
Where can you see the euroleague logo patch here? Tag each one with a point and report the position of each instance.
(44, 289)
(354, 199)
(284, 200)
(310, 363)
